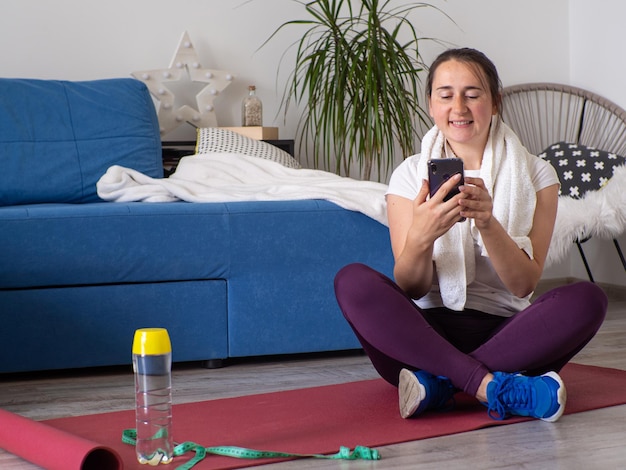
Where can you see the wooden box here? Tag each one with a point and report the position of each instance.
(259, 133)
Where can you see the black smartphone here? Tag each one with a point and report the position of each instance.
(440, 170)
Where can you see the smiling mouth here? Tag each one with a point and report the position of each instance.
(460, 123)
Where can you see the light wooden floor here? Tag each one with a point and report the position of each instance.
(590, 440)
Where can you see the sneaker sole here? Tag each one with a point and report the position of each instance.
(410, 393)
(561, 397)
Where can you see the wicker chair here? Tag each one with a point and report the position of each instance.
(544, 114)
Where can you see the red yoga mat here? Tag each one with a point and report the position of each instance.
(321, 419)
(52, 448)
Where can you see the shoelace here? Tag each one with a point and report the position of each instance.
(129, 436)
(509, 395)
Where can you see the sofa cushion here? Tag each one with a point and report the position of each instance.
(57, 138)
(53, 245)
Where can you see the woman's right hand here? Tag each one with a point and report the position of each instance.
(435, 216)
(413, 227)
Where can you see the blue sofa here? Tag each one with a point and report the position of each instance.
(78, 275)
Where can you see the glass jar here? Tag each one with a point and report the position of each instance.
(251, 109)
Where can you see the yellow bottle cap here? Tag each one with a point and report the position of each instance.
(151, 342)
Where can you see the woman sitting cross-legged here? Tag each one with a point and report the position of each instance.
(458, 316)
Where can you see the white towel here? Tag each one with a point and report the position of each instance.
(505, 173)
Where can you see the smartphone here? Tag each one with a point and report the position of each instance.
(440, 170)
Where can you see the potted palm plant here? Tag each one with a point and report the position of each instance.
(357, 75)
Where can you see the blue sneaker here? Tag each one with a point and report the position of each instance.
(420, 391)
(540, 397)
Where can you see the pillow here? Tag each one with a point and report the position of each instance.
(214, 139)
(57, 138)
(580, 168)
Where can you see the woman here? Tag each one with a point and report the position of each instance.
(458, 316)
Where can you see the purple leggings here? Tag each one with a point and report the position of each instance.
(465, 346)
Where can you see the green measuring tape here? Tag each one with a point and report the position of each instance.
(129, 436)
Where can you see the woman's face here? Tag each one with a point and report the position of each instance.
(461, 105)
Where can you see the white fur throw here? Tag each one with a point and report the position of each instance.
(599, 213)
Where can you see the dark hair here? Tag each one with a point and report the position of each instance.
(485, 70)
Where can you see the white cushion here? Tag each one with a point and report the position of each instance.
(214, 139)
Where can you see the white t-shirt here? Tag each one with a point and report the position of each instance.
(486, 293)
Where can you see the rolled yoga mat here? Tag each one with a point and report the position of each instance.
(52, 448)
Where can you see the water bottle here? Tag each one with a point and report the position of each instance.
(152, 364)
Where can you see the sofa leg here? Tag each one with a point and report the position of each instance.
(213, 363)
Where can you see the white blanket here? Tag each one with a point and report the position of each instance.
(228, 177)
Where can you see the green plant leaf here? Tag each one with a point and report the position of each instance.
(359, 84)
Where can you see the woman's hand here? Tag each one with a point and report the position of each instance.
(519, 272)
(437, 214)
(477, 203)
(414, 226)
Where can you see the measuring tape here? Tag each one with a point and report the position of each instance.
(129, 436)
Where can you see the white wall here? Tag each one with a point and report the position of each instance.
(88, 39)
(596, 43)
(569, 41)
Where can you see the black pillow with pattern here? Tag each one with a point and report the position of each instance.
(580, 168)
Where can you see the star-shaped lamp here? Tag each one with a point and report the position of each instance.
(185, 66)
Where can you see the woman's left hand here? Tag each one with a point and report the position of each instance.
(477, 204)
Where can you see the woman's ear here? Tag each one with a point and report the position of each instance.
(497, 105)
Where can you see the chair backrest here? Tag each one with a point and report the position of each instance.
(543, 114)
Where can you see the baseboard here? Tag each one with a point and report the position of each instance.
(613, 291)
